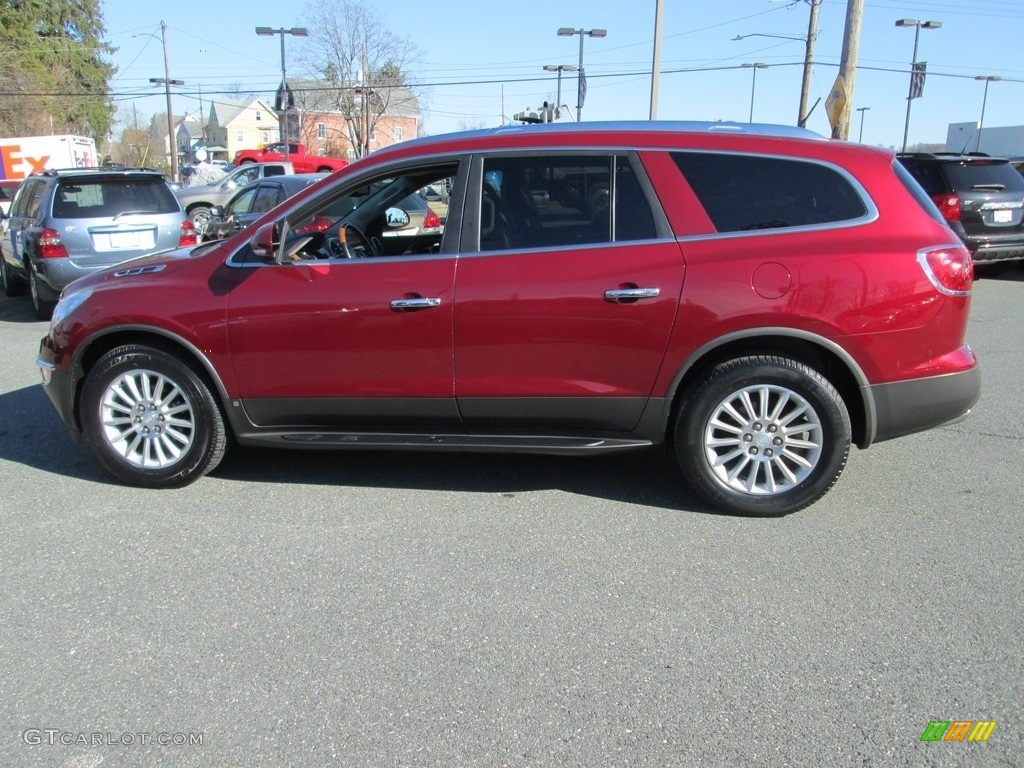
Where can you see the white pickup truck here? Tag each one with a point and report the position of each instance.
(198, 199)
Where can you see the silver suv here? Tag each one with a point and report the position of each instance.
(67, 223)
(198, 199)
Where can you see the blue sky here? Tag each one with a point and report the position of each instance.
(481, 59)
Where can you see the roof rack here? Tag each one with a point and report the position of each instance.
(92, 169)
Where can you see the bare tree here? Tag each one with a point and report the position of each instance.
(360, 63)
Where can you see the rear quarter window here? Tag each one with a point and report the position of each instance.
(745, 193)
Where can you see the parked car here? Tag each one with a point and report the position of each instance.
(254, 200)
(303, 161)
(981, 198)
(64, 224)
(8, 188)
(825, 302)
(198, 199)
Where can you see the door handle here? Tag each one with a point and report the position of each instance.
(631, 294)
(417, 303)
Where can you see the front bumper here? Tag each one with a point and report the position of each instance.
(58, 386)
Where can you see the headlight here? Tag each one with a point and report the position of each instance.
(67, 305)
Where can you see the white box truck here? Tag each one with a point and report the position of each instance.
(23, 156)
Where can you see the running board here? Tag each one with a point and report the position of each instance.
(559, 444)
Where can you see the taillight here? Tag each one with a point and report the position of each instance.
(188, 234)
(50, 246)
(431, 220)
(949, 206)
(949, 268)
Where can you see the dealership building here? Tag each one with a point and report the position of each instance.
(999, 142)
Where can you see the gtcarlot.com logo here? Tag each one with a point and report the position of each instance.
(958, 730)
(58, 736)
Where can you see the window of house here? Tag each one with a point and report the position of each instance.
(551, 201)
(321, 130)
(399, 133)
(240, 136)
(259, 115)
(264, 136)
(743, 193)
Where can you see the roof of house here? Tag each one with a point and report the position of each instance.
(319, 96)
(224, 111)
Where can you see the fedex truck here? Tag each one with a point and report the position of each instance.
(21, 157)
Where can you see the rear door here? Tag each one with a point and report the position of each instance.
(22, 218)
(566, 295)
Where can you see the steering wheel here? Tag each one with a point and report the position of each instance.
(340, 248)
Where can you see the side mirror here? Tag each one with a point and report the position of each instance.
(396, 218)
(262, 243)
(217, 212)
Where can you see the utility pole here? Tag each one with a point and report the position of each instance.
(848, 64)
(805, 84)
(656, 64)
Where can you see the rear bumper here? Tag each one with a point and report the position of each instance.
(905, 407)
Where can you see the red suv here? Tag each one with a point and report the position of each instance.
(755, 298)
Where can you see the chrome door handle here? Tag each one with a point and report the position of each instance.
(401, 304)
(625, 294)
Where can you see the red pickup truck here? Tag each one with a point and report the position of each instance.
(297, 156)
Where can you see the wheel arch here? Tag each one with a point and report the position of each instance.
(95, 348)
(815, 351)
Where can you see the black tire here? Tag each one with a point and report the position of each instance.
(762, 436)
(150, 419)
(42, 301)
(200, 218)
(13, 285)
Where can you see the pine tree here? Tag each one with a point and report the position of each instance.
(53, 75)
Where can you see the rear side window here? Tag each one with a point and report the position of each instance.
(105, 198)
(549, 201)
(917, 192)
(744, 193)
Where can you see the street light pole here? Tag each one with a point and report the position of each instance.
(981, 123)
(917, 25)
(581, 77)
(862, 110)
(282, 31)
(753, 83)
(559, 68)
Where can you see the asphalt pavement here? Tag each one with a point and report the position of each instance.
(403, 609)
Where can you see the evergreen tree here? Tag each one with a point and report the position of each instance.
(53, 75)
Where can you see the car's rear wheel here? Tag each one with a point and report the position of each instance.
(150, 419)
(42, 297)
(200, 218)
(13, 286)
(763, 436)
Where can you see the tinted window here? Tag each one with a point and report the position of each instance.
(243, 203)
(105, 198)
(743, 193)
(996, 176)
(551, 201)
(29, 198)
(266, 198)
(928, 175)
(914, 188)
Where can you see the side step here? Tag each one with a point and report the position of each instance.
(551, 444)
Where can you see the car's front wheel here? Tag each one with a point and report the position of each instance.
(762, 436)
(150, 419)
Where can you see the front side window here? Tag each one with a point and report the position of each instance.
(748, 193)
(243, 203)
(550, 201)
(266, 198)
(361, 222)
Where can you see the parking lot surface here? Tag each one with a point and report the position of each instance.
(406, 609)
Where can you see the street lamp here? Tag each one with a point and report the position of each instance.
(282, 31)
(862, 110)
(988, 79)
(917, 25)
(753, 83)
(172, 145)
(581, 77)
(559, 68)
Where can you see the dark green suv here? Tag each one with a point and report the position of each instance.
(981, 198)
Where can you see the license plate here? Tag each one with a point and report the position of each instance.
(131, 239)
(1002, 217)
